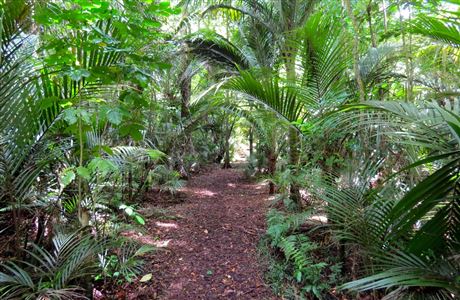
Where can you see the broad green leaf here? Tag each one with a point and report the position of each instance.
(298, 276)
(155, 154)
(67, 176)
(84, 173)
(78, 74)
(136, 134)
(103, 166)
(114, 116)
(139, 219)
(70, 115)
(107, 150)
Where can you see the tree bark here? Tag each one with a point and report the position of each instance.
(271, 157)
(358, 79)
(294, 155)
(227, 164)
(369, 21)
(251, 141)
(290, 54)
(185, 91)
(385, 17)
(228, 134)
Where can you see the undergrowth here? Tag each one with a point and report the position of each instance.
(297, 267)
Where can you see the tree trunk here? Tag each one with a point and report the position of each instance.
(271, 157)
(227, 164)
(251, 141)
(228, 134)
(293, 138)
(294, 155)
(187, 144)
(385, 17)
(371, 28)
(355, 51)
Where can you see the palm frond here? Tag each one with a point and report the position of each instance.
(270, 93)
(50, 275)
(214, 47)
(408, 276)
(442, 30)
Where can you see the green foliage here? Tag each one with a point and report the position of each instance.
(102, 101)
(413, 228)
(130, 212)
(301, 266)
(53, 274)
(123, 265)
(166, 179)
(283, 224)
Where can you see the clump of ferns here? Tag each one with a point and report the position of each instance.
(303, 267)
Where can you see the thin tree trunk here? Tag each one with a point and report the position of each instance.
(227, 164)
(130, 185)
(251, 141)
(369, 21)
(271, 157)
(294, 155)
(228, 135)
(410, 72)
(358, 79)
(185, 91)
(293, 137)
(407, 52)
(385, 17)
(381, 92)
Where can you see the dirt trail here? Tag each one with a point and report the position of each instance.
(210, 250)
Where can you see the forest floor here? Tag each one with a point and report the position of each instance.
(208, 242)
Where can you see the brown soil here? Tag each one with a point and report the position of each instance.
(209, 248)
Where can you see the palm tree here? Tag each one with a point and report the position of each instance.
(275, 24)
(293, 37)
(411, 240)
(321, 85)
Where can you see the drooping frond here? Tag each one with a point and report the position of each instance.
(49, 275)
(270, 93)
(408, 276)
(444, 30)
(324, 57)
(212, 46)
(376, 64)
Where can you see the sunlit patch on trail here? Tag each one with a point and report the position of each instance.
(147, 239)
(203, 192)
(166, 225)
(161, 243)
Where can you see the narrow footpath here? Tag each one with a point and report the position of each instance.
(210, 250)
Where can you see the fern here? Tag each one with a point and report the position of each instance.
(280, 224)
(297, 249)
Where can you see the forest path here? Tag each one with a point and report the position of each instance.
(210, 250)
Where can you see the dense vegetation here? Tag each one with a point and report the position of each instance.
(350, 110)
